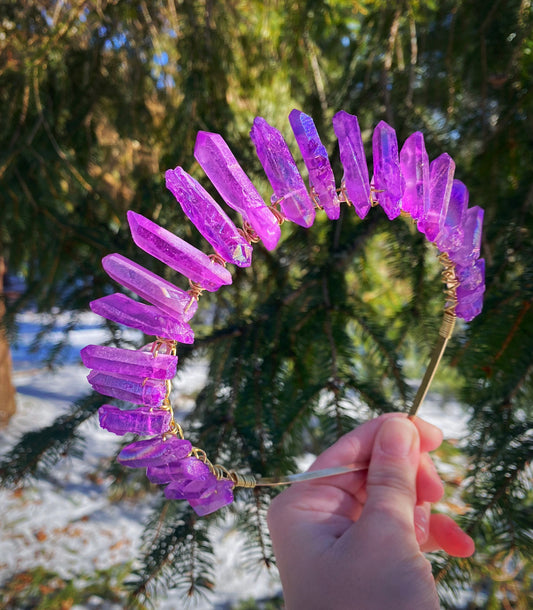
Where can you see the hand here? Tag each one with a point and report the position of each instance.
(356, 540)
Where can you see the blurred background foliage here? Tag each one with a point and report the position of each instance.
(99, 97)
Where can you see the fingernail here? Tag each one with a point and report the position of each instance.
(421, 524)
(396, 437)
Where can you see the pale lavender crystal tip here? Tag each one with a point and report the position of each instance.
(388, 181)
(282, 173)
(237, 190)
(209, 218)
(353, 160)
(317, 162)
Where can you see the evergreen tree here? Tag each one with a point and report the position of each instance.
(329, 329)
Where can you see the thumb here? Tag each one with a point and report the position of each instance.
(391, 480)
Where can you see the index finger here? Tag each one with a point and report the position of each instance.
(356, 446)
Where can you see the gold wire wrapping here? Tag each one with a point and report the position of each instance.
(249, 233)
(216, 258)
(314, 198)
(445, 332)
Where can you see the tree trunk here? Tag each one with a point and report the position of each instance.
(7, 390)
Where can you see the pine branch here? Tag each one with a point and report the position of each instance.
(39, 450)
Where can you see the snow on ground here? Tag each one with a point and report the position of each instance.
(66, 522)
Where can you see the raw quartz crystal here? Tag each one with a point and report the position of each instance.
(414, 165)
(143, 420)
(282, 173)
(471, 277)
(356, 180)
(150, 320)
(317, 162)
(470, 304)
(469, 249)
(441, 172)
(451, 234)
(129, 362)
(149, 392)
(221, 494)
(237, 190)
(177, 254)
(149, 286)
(154, 451)
(388, 181)
(209, 218)
(185, 488)
(190, 468)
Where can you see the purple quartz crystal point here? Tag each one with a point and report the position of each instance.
(144, 420)
(221, 495)
(149, 286)
(441, 172)
(190, 489)
(470, 247)
(470, 304)
(154, 451)
(189, 468)
(414, 165)
(128, 362)
(177, 253)
(451, 234)
(388, 180)
(209, 218)
(237, 190)
(471, 277)
(150, 320)
(317, 162)
(149, 392)
(353, 160)
(282, 173)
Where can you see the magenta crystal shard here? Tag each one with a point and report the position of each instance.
(414, 165)
(282, 173)
(144, 420)
(128, 362)
(146, 318)
(154, 451)
(237, 190)
(472, 276)
(451, 234)
(388, 181)
(150, 392)
(353, 160)
(221, 495)
(317, 162)
(209, 218)
(189, 468)
(177, 253)
(150, 286)
(470, 305)
(441, 172)
(469, 249)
